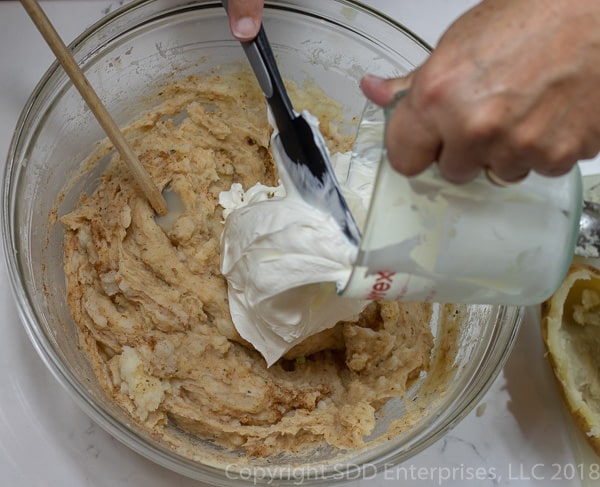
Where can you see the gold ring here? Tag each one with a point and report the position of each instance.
(498, 181)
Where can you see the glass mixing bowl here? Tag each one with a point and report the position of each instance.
(127, 56)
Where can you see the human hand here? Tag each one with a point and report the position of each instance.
(512, 86)
(244, 18)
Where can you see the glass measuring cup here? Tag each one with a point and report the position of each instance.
(426, 239)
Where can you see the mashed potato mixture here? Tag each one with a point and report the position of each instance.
(151, 304)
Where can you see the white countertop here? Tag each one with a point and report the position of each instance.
(517, 436)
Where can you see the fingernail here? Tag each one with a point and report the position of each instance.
(373, 77)
(245, 28)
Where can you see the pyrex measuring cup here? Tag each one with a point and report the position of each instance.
(426, 239)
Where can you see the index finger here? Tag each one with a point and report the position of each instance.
(412, 145)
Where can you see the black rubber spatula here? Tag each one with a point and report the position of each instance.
(307, 161)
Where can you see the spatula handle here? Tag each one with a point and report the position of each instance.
(262, 60)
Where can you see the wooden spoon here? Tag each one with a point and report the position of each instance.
(66, 60)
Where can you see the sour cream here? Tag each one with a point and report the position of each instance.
(285, 260)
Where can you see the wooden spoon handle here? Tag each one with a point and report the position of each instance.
(66, 60)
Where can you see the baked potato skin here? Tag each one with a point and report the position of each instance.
(559, 332)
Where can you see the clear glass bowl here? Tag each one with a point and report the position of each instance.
(127, 56)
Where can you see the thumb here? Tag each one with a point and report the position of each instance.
(244, 18)
(381, 91)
